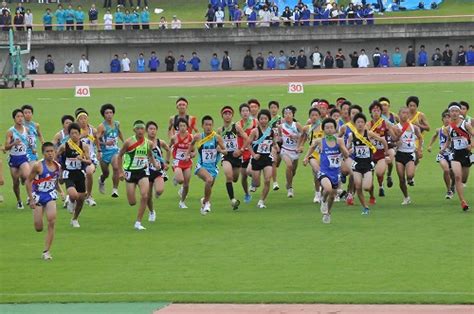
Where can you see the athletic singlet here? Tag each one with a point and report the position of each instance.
(458, 141)
(230, 138)
(32, 135)
(382, 131)
(331, 159)
(442, 137)
(158, 155)
(70, 160)
(276, 124)
(63, 138)
(19, 149)
(136, 159)
(407, 139)
(89, 139)
(190, 119)
(45, 182)
(263, 146)
(109, 140)
(416, 120)
(347, 133)
(288, 131)
(362, 153)
(180, 149)
(247, 129)
(208, 156)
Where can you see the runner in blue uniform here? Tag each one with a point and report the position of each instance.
(34, 132)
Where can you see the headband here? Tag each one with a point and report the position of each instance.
(384, 102)
(81, 114)
(454, 107)
(288, 110)
(325, 104)
(139, 126)
(227, 110)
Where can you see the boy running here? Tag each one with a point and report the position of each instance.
(34, 133)
(182, 106)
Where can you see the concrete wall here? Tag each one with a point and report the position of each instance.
(100, 46)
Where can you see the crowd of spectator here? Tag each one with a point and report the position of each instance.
(316, 59)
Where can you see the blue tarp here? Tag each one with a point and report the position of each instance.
(412, 4)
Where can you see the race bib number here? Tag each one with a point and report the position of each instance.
(209, 155)
(31, 140)
(36, 197)
(18, 150)
(362, 152)
(65, 174)
(73, 164)
(230, 144)
(140, 162)
(54, 194)
(181, 154)
(378, 144)
(111, 143)
(265, 147)
(335, 160)
(127, 175)
(46, 186)
(460, 143)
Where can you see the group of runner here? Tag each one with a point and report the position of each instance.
(346, 146)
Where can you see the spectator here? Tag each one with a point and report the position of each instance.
(259, 61)
(434, 5)
(175, 23)
(154, 62)
(108, 20)
(354, 59)
(210, 16)
(135, 19)
(282, 60)
(127, 20)
(296, 17)
(316, 57)
(437, 57)
(69, 68)
(363, 60)
(342, 15)
(83, 64)
(385, 59)
(169, 61)
(145, 18)
(20, 9)
(214, 4)
(19, 21)
(226, 62)
(163, 23)
(340, 58)
(252, 18)
(271, 61)
(231, 6)
(351, 14)
(470, 56)
(49, 65)
(237, 16)
(139, 2)
(4, 8)
(369, 14)
(422, 57)
(376, 57)
(219, 17)
(119, 18)
(125, 63)
(141, 63)
(328, 60)
(107, 3)
(48, 20)
(265, 17)
(32, 65)
(286, 16)
(60, 15)
(29, 19)
(447, 56)
(181, 64)
(6, 21)
(302, 61)
(69, 16)
(292, 60)
(397, 58)
(80, 16)
(334, 15)
(115, 65)
(410, 57)
(194, 62)
(214, 63)
(248, 61)
(461, 57)
(421, 5)
(93, 17)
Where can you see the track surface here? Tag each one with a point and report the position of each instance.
(253, 78)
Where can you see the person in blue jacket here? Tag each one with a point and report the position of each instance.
(154, 62)
(60, 18)
(470, 56)
(141, 63)
(305, 16)
(316, 15)
(385, 59)
(194, 62)
(342, 15)
(237, 16)
(325, 16)
(80, 16)
(70, 15)
(369, 14)
(118, 18)
(181, 64)
(135, 19)
(231, 5)
(422, 57)
(127, 19)
(271, 61)
(221, 4)
(48, 20)
(115, 65)
(145, 18)
(215, 63)
(359, 15)
(252, 18)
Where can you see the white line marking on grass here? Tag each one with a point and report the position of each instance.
(43, 98)
(448, 91)
(128, 97)
(235, 293)
(404, 92)
(64, 98)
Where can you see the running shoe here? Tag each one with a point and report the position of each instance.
(90, 201)
(235, 204)
(411, 182)
(138, 226)
(449, 195)
(115, 193)
(152, 216)
(182, 205)
(317, 197)
(365, 211)
(101, 186)
(276, 187)
(465, 206)
(389, 181)
(46, 256)
(247, 198)
(261, 204)
(75, 223)
(349, 199)
(381, 192)
(19, 205)
(372, 201)
(326, 218)
(406, 200)
(291, 193)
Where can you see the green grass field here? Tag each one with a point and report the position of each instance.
(422, 253)
(196, 9)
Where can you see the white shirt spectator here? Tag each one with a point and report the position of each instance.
(69, 68)
(126, 64)
(33, 65)
(163, 25)
(266, 17)
(175, 23)
(83, 66)
(29, 19)
(108, 21)
(363, 61)
(219, 16)
(317, 58)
